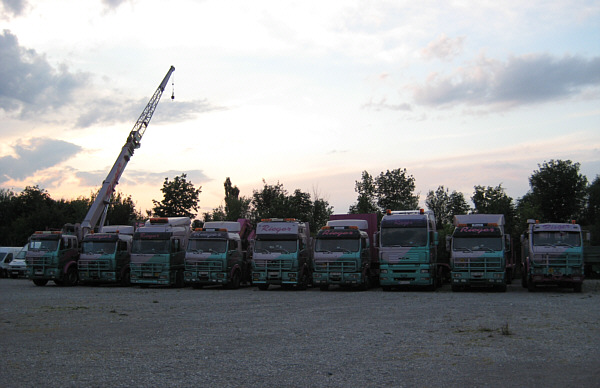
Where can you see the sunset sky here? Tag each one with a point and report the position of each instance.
(305, 93)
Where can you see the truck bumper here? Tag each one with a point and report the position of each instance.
(462, 278)
(406, 275)
(337, 278)
(275, 277)
(205, 277)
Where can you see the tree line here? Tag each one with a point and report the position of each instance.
(558, 193)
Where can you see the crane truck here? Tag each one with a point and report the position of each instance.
(158, 252)
(343, 253)
(480, 252)
(408, 250)
(61, 263)
(552, 254)
(216, 254)
(282, 254)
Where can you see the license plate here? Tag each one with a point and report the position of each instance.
(271, 274)
(203, 273)
(477, 274)
(39, 272)
(403, 282)
(336, 274)
(147, 274)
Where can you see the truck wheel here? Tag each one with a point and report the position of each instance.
(366, 283)
(263, 287)
(524, 280)
(40, 282)
(235, 281)
(126, 278)
(530, 285)
(179, 281)
(577, 287)
(71, 277)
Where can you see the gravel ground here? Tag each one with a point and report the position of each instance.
(120, 337)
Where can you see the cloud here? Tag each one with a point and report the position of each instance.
(383, 105)
(14, 7)
(527, 79)
(35, 155)
(443, 48)
(29, 85)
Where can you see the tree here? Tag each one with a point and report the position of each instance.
(494, 200)
(395, 190)
(445, 205)
(235, 207)
(270, 202)
(180, 198)
(367, 195)
(559, 190)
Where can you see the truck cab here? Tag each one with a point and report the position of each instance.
(52, 255)
(480, 252)
(282, 254)
(552, 254)
(105, 256)
(342, 255)
(408, 250)
(158, 252)
(215, 256)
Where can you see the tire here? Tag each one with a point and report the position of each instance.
(304, 280)
(235, 280)
(71, 277)
(366, 284)
(263, 287)
(40, 282)
(126, 278)
(179, 280)
(524, 280)
(530, 285)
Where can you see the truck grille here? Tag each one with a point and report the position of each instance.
(558, 260)
(204, 266)
(479, 264)
(272, 265)
(336, 266)
(94, 265)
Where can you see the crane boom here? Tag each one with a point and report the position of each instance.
(100, 204)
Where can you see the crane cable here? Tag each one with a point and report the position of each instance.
(173, 87)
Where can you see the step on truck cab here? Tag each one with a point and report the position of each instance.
(343, 252)
(53, 255)
(480, 252)
(216, 255)
(408, 250)
(158, 252)
(105, 256)
(552, 254)
(282, 254)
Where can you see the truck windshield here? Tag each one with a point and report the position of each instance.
(150, 246)
(554, 238)
(268, 246)
(331, 245)
(104, 247)
(43, 245)
(405, 237)
(477, 244)
(201, 246)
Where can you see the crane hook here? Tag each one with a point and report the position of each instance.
(173, 86)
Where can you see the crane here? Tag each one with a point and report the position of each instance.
(100, 205)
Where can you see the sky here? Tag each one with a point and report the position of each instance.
(304, 93)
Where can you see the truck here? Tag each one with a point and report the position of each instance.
(282, 254)
(105, 256)
(217, 254)
(408, 250)
(480, 252)
(158, 252)
(344, 254)
(552, 254)
(53, 255)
